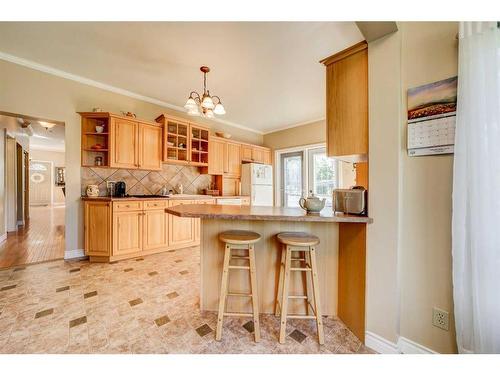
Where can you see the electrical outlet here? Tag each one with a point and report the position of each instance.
(110, 184)
(441, 318)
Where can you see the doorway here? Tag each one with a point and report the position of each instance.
(305, 170)
(35, 199)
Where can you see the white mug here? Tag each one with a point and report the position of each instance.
(92, 191)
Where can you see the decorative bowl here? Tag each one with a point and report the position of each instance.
(223, 135)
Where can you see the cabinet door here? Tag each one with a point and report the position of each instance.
(232, 159)
(127, 232)
(124, 145)
(257, 155)
(150, 146)
(231, 186)
(97, 229)
(197, 222)
(180, 229)
(246, 152)
(155, 229)
(267, 157)
(347, 105)
(216, 156)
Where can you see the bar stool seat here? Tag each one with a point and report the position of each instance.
(238, 240)
(239, 237)
(298, 239)
(304, 244)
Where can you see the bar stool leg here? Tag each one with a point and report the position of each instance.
(254, 291)
(279, 299)
(223, 292)
(317, 302)
(308, 277)
(284, 298)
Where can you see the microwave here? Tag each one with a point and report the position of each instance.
(350, 201)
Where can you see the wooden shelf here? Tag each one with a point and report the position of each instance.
(96, 150)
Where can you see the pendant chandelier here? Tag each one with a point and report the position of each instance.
(204, 105)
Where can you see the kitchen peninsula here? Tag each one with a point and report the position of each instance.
(341, 257)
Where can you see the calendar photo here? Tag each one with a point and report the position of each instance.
(431, 118)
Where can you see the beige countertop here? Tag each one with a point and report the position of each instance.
(172, 197)
(211, 211)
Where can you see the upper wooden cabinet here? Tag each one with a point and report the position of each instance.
(150, 145)
(232, 159)
(121, 142)
(216, 156)
(246, 153)
(347, 103)
(255, 154)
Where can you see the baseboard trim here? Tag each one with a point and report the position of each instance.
(3, 237)
(403, 346)
(407, 346)
(380, 344)
(73, 254)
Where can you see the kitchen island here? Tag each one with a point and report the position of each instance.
(340, 254)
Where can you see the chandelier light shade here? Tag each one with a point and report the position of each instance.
(204, 105)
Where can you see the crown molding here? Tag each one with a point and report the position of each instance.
(103, 86)
(294, 125)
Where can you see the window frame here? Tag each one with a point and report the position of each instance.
(278, 173)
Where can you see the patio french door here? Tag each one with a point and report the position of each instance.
(304, 170)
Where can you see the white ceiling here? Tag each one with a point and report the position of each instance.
(42, 138)
(266, 73)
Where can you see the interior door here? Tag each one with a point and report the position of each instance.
(292, 178)
(40, 189)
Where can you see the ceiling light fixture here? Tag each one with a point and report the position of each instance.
(204, 105)
(46, 125)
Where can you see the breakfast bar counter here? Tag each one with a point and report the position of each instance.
(340, 257)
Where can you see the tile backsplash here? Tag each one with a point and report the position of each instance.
(147, 182)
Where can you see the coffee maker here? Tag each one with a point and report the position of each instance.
(120, 189)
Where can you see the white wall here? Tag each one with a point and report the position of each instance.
(2, 184)
(409, 243)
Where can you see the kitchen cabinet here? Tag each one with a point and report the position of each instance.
(347, 103)
(150, 146)
(121, 142)
(124, 144)
(184, 142)
(122, 229)
(97, 228)
(197, 222)
(216, 156)
(155, 229)
(246, 153)
(230, 186)
(180, 229)
(232, 160)
(127, 232)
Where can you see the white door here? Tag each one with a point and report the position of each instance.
(262, 195)
(40, 183)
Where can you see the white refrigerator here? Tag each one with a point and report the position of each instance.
(257, 182)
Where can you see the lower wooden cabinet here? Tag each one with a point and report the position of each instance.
(126, 229)
(127, 232)
(155, 228)
(180, 229)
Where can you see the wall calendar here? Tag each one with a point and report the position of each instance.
(431, 118)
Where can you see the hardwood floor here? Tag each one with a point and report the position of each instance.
(41, 240)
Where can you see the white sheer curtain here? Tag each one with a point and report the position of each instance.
(476, 190)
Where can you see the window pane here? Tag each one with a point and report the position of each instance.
(292, 180)
(324, 176)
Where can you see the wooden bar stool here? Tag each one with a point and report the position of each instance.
(238, 240)
(303, 243)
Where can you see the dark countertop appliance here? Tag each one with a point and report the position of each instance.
(120, 189)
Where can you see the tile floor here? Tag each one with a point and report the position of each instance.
(143, 305)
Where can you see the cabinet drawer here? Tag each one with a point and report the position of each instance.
(152, 205)
(127, 206)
